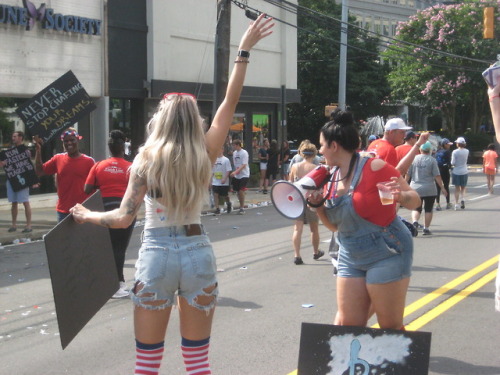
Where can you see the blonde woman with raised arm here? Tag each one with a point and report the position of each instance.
(171, 173)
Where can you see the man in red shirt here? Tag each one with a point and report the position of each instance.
(394, 134)
(410, 140)
(71, 169)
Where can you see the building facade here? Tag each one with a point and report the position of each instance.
(128, 53)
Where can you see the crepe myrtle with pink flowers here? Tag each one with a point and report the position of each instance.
(440, 54)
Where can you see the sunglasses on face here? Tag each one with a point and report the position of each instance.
(173, 95)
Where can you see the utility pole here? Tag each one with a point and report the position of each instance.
(221, 52)
(343, 55)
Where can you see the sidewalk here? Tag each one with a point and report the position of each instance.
(43, 215)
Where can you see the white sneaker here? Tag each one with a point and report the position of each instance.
(457, 207)
(122, 292)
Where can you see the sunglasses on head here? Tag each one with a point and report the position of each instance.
(172, 95)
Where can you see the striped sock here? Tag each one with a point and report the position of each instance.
(148, 358)
(195, 354)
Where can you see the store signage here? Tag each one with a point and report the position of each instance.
(56, 107)
(48, 18)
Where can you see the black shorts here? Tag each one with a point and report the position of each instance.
(240, 184)
(222, 190)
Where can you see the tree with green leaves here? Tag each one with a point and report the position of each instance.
(437, 61)
(318, 42)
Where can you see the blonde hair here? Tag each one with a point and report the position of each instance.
(308, 150)
(174, 161)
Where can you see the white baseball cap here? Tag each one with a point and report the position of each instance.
(395, 124)
(461, 140)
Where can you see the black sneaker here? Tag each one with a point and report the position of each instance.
(413, 230)
(229, 207)
(298, 261)
(426, 232)
(217, 211)
(318, 255)
(462, 204)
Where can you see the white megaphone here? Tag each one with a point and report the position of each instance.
(289, 198)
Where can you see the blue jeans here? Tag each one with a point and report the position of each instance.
(61, 216)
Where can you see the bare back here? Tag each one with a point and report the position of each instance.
(299, 170)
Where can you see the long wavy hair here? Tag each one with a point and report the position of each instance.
(174, 159)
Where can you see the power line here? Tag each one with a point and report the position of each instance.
(404, 57)
(318, 15)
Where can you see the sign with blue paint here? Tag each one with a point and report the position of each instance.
(345, 350)
(56, 107)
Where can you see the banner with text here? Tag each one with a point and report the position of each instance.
(18, 167)
(56, 107)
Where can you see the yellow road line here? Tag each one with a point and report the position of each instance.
(428, 298)
(447, 287)
(450, 302)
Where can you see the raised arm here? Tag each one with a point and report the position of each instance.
(494, 98)
(38, 156)
(405, 162)
(216, 135)
(121, 217)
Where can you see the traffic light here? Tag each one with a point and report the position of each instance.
(489, 23)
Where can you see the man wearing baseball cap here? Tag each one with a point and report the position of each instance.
(394, 134)
(460, 173)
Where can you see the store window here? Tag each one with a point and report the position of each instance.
(119, 115)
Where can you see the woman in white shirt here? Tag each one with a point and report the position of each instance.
(459, 174)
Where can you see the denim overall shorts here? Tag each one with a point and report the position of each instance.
(379, 254)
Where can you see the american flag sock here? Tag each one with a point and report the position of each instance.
(148, 358)
(195, 354)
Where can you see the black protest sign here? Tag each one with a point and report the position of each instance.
(19, 168)
(345, 350)
(56, 107)
(82, 270)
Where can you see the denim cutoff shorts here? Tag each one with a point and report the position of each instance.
(379, 257)
(170, 262)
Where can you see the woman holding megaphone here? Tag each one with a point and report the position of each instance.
(376, 248)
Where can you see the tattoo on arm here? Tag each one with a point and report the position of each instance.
(131, 204)
(105, 222)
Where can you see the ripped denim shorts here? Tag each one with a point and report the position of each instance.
(171, 262)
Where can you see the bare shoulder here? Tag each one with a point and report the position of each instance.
(377, 164)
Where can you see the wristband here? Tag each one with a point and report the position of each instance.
(493, 97)
(241, 61)
(243, 53)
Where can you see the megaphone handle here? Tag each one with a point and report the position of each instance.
(316, 205)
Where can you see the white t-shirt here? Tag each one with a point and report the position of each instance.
(220, 170)
(240, 157)
(156, 215)
(459, 161)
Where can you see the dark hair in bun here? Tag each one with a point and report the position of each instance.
(116, 142)
(341, 129)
